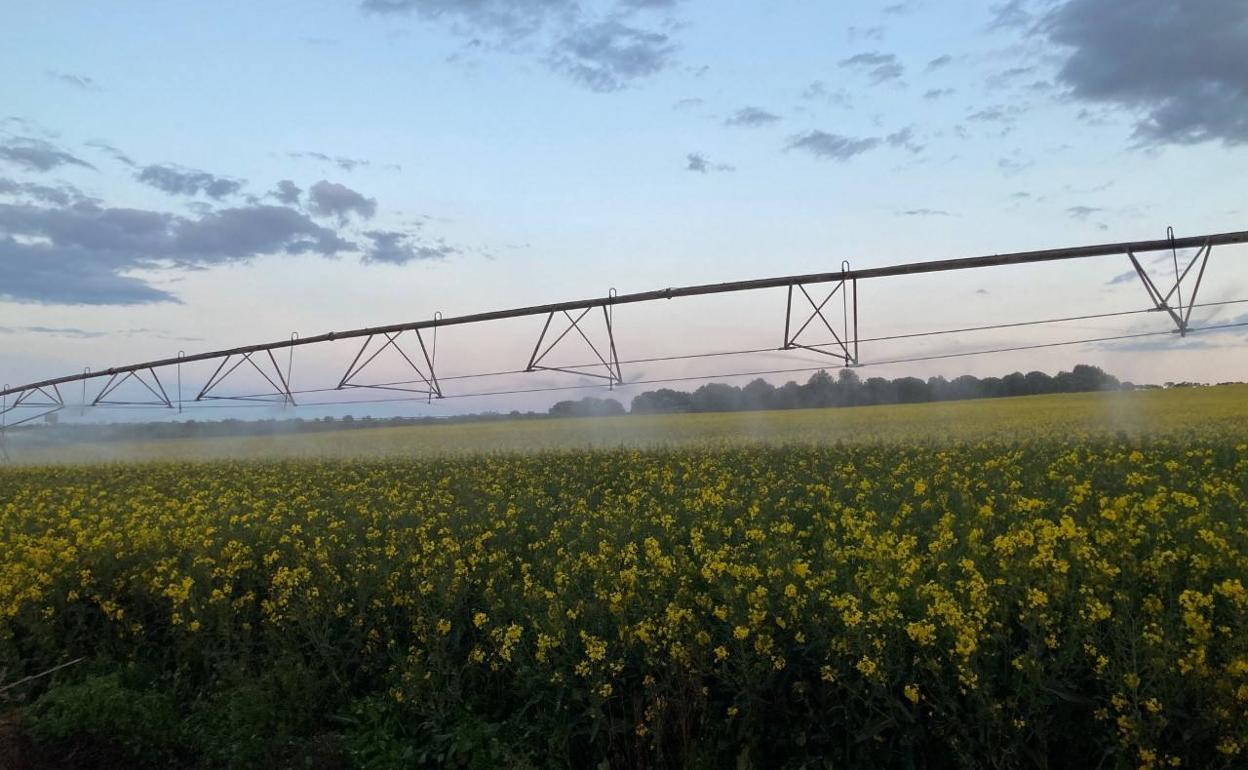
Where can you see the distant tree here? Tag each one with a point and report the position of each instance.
(662, 401)
(758, 394)
(588, 407)
(716, 397)
(1015, 384)
(912, 390)
(1038, 382)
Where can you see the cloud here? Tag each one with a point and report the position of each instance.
(342, 162)
(938, 62)
(330, 199)
(903, 138)
(938, 93)
(398, 248)
(112, 151)
(34, 154)
(1082, 212)
(71, 332)
(1012, 165)
(81, 82)
(902, 8)
(818, 91)
(511, 19)
(699, 163)
(831, 146)
(48, 274)
(650, 4)
(1178, 64)
(688, 103)
(880, 67)
(61, 195)
(182, 181)
(287, 192)
(926, 213)
(85, 253)
(998, 113)
(1122, 278)
(751, 117)
(609, 55)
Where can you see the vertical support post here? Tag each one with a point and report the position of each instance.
(433, 358)
(290, 360)
(856, 358)
(181, 354)
(845, 309)
(788, 315)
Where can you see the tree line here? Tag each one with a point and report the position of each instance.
(846, 389)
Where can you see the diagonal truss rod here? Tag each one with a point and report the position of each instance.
(34, 403)
(281, 386)
(610, 362)
(430, 380)
(845, 340)
(115, 381)
(1180, 313)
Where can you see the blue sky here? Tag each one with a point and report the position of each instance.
(458, 156)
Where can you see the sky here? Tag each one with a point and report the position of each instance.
(182, 177)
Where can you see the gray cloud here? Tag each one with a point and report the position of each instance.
(751, 117)
(1122, 278)
(330, 199)
(398, 248)
(688, 103)
(342, 162)
(509, 18)
(902, 8)
(1082, 212)
(287, 192)
(71, 332)
(818, 91)
(1180, 64)
(831, 146)
(937, 93)
(112, 151)
(699, 163)
(609, 55)
(880, 67)
(182, 181)
(60, 195)
(938, 62)
(81, 82)
(34, 154)
(926, 213)
(84, 253)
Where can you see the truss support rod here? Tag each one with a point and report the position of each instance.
(1182, 312)
(431, 381)
(912, 268)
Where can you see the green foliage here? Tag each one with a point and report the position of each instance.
(103, 714)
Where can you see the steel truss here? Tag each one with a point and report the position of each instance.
(847, 340)
(610, 362)
(1180, 315)
(430, 381)
(279, 381)
(810, 305)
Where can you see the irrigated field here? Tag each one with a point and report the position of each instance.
(1015, 583)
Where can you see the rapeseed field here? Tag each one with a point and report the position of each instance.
(1009, 593)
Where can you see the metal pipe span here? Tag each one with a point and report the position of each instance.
(911, 268)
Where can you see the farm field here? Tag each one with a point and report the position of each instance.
(1134, 413)
(1051, 581)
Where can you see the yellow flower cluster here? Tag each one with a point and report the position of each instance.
(987, 582)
